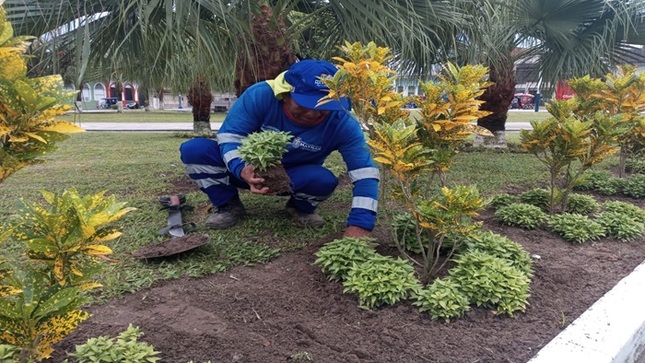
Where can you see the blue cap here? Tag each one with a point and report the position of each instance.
(304, 76)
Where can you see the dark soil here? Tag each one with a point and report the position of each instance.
(287, 308)
(172, 246)
(276, 178)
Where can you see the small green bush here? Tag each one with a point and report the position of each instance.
(336, 258)
(443, 300)
(404, 225)
(502, 247)
(9, 353)
(124, 349)
(537, 197)
(601, 181)
(575, 228)
(382, 280)
(620, 226)
(521, 215)
(582, 204)
(629, 209)
(502, 200)
(491, 282)
(635, 186)
(636, 165)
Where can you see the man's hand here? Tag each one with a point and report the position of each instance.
(353, 231)
(255, 183)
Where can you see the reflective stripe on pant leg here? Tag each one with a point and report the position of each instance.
(204, 165)
(311, 184)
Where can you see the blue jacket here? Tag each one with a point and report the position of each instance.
(259, 109)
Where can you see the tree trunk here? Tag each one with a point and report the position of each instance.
(271, 55)
(498, 98)
(200, 97)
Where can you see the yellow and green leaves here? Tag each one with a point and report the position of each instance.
(365, 78)
(397, 148)
(69, 234)
(28, 106)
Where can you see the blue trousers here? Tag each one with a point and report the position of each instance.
(311, 184)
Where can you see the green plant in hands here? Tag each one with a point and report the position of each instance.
(264, 149)
(443, 300)
(381, 280)
(337, 258)
(124, 349)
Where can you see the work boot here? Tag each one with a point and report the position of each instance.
(227, 215)
(305, 219)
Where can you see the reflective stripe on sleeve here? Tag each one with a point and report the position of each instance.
(365, 203)
(226, 138)
(364, 173)
(233, 154)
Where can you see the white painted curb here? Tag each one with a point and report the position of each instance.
(612, 330)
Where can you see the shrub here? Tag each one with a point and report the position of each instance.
(600, 181)
(381, 280)
(620, 226)
(537, 197)
(264, 149)
(502, 247)
(582, 204)
(443, 300)
(521, 215)
(124, 349)
(635, 186)
(636, 165)
(404, 227)
(502, 200)
(575, 227)
(491, 282)
(629, 209)
(336, 258)
(9, 353)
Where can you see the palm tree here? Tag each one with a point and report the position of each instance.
(570, 39)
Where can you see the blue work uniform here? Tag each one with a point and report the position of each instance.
(216, 165)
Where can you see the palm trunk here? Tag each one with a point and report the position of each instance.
(498, 98)
(271, 54)
(200, 97)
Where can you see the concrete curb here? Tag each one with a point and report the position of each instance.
(611, 330)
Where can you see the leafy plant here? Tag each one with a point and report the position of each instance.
(404, 227)
(601, 181)
(381, 280)
(521, 215)
(264, 149)
(538, 197)
(443, 300)
(502, 247)
(575, 227)
(628, 209)
(124, 349)
(491, 282)
(69, 234)
(635, 186)
(28, 107)
(9, 353)
(620, 226)
(582, 204)
(502, 200)
(40, 298)
(337, 258)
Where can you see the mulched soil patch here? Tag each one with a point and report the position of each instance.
(274, 312)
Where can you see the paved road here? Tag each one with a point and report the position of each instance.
(188, 126)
